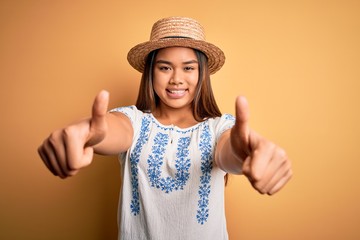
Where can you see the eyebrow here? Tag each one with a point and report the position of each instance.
(168, 62)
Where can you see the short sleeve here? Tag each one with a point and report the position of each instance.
(223, 123)
(132, 113)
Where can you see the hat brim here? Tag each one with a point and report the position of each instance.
(137, 55)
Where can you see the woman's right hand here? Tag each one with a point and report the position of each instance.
(69, 149)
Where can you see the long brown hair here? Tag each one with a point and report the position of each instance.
(203, 106)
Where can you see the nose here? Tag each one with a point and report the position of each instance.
(176, 78)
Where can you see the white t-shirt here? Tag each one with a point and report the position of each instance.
(171, 187)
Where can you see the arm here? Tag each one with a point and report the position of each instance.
(118, 136)
(69, 149)
(242, 150)
(225, 157)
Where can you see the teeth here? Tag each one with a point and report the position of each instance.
(177, 91)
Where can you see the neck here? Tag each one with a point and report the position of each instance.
(182, 118)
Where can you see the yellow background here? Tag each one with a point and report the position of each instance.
(298, 62)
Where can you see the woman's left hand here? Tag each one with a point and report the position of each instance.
(266, 165)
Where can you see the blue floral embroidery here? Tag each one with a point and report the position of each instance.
(229, 117)
(134, 160)
(182, 164)
(206, 167)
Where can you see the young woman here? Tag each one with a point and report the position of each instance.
(175, 146)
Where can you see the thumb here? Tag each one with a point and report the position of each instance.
(242, 118)
(241, 130)
(98, 124)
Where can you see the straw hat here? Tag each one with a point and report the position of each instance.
(176, 32)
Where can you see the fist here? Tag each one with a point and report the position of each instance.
(265, 164)
(69, 149)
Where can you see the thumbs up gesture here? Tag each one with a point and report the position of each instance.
(69, 149)
(265, 164)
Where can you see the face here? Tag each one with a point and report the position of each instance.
(176, 74)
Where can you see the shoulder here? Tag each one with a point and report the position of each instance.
(223, 119)
(131, 112)
(221, 124)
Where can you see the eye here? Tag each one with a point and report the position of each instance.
(189, 68)
(164, 68)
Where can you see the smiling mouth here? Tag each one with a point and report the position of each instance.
(176, 91)
(176, 94)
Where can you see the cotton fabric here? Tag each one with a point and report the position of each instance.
(171, 187)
